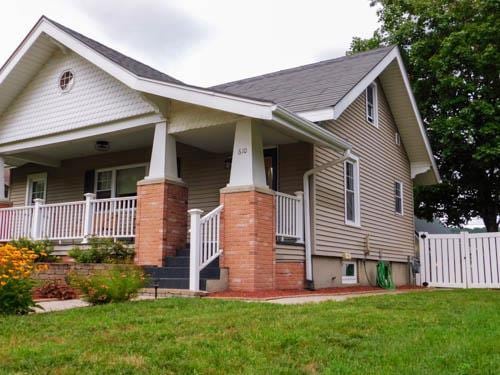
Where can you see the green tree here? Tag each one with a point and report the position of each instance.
(451, 51)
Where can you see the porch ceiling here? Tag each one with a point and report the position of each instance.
(220, 138)
(54, 153)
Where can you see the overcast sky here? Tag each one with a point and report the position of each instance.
(203, 42)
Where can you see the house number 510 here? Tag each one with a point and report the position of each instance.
(242, 151)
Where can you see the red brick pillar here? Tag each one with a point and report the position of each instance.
(248, 238)
(5, 203)
(161, 224)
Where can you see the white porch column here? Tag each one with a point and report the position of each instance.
(164, 155)
(2, 179)
(247, 167)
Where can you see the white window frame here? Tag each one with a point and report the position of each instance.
(396, 197)
(354, 160)
(113, 175)
(350, 279)
(397, 138)
(374, 120)
(29, 182)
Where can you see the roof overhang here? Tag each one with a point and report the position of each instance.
(50, 34)
(394, 79)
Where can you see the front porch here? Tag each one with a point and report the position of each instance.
(223, 179)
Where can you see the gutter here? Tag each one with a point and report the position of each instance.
(307, 214)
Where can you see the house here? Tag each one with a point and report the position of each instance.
(298, 178)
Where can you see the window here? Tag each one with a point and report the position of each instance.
(66, 81)
(372, 104)
(349, 273)
(118, 182)
(397, 139)
(36, 188)
(398, 197)
(351, 186)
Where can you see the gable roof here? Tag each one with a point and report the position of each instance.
(134, 66)
(310, 87)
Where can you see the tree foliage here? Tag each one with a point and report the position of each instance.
(451, 51)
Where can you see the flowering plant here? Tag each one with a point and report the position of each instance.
(16, 267)
(117, 284)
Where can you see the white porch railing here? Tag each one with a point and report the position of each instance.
(204, 242)
(290, 216)
(113, 218)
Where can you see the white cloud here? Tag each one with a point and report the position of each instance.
(204, 42)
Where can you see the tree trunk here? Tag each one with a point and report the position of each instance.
(490, 221)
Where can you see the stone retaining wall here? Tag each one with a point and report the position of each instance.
(59, 271)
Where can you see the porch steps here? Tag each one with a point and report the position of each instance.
(176, 272)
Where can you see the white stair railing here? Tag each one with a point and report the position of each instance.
(114, 217)
(204, 242)
(290, 216)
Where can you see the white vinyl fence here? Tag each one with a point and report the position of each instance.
(114, 217)
(465, 260)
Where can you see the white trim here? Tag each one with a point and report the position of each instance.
(113, 171)
(374, 120)
(318, 114)
(29, 180)
(401, 197)
(350, 279)
(325, 114)
(88, 132)
(354, 160)
(186, 93)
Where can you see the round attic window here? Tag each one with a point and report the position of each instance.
(66, 81)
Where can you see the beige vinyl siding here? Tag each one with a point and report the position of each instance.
(381, 163)
(66, 183)
(293, 161)
(289, 253)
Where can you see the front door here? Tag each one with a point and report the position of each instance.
(271, 165)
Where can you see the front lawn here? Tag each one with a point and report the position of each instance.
(416, 333)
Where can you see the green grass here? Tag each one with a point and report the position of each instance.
(455, 332)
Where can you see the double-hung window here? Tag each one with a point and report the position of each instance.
(398, 197)
(372, 104)
(119, 182)
(351, 191)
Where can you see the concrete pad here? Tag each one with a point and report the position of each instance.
(333, 297)
(49, 306)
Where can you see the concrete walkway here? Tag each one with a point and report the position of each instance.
(49, 306)
(333, 297)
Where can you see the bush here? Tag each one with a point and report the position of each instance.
(118, 284)
(16, 267)
(55, 289)
(42, 248)
(103, 250)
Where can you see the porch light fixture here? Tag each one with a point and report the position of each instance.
(102, 146)
(227, 163)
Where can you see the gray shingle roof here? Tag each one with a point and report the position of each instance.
(312, 86)
(134, 66)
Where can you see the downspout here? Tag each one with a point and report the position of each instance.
(307, 214)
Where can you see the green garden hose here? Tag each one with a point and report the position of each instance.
(384, 275)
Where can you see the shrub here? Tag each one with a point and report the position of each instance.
(16, 267)
(103, 250)
(42, 248)
(55, 289)
(117, 284)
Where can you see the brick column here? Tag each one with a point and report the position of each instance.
(5, 203)
(161, 224)
(248, 238)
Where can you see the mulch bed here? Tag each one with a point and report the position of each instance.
(273, 294)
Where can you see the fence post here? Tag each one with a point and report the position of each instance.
(194, 253)
(89, 216)
(37, 219)
(466, 258)
(300, 216)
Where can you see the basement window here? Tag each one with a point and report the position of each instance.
(349, 273)
(66, 81)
